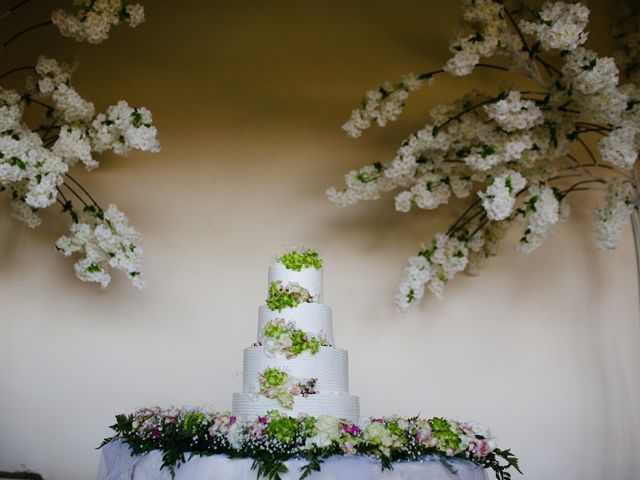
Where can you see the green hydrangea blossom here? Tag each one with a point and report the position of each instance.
(445, 437)
(274, 376)
(283, 296)
(284, 429)
(192, 422)
(297, 260)
(301, 342)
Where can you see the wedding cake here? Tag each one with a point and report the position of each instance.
(294, 366)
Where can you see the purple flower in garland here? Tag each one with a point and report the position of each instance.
(351, 429)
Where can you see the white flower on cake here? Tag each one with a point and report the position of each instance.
(282, 337)
(278, 385)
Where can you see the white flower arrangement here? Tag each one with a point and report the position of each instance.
(35, 162)
(518, 155)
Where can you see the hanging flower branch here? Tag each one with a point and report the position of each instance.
(518, 155)
(35, 162)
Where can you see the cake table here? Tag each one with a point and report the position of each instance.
(116, 463)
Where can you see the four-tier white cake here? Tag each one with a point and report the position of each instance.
(294, 367)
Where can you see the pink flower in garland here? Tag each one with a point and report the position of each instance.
(479, 448)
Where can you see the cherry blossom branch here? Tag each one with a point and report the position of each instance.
(17, 69)
(13, 9)
(76, 194)
(22, 32)
(83, 189)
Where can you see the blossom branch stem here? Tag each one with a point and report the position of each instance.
(30, 100)
(22, 32)
(76, 194)
(13, 9)
(18, 69)
(466, 222)
(84, 190)
(532, 55)
(594, 125)
(484, 220)
(465, 111)
(575, 186)
(531, 66)
(464, 214)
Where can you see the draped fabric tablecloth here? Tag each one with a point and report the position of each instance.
(116, 463)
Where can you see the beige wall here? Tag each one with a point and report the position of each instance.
(249, 99)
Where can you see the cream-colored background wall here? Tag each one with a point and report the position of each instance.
(249, 97)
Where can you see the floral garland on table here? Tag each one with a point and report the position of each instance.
(298, 259)
(272, 439)
(36, 160)
(284, 337)
(278, 385)
(287, 296)
(516, 156)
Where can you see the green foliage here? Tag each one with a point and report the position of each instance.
(296, 260)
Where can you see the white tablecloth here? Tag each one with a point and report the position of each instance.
(116, 463)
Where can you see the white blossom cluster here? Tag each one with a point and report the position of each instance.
(381, 106)
(94, 19)
(31, 172)
(499, 198)
(542, 211)
(482, 34)
(105, 240)
(432, 269)
(513, 113)
(123, 129)
(559, 25)
(620, 146)
(610, 218)
(517, 155)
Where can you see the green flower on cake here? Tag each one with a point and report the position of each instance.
(298, 259)
(274, 377)
(290, 295)
(278, 385)
(283, 337)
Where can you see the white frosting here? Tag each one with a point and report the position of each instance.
(340, 406)
(330, 366)
(313, 318)
(309, 278)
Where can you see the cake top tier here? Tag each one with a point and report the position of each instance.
(299, 266)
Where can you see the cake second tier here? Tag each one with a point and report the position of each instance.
(330, 366)
(313, 318)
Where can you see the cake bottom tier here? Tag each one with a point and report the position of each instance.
(339, 406)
